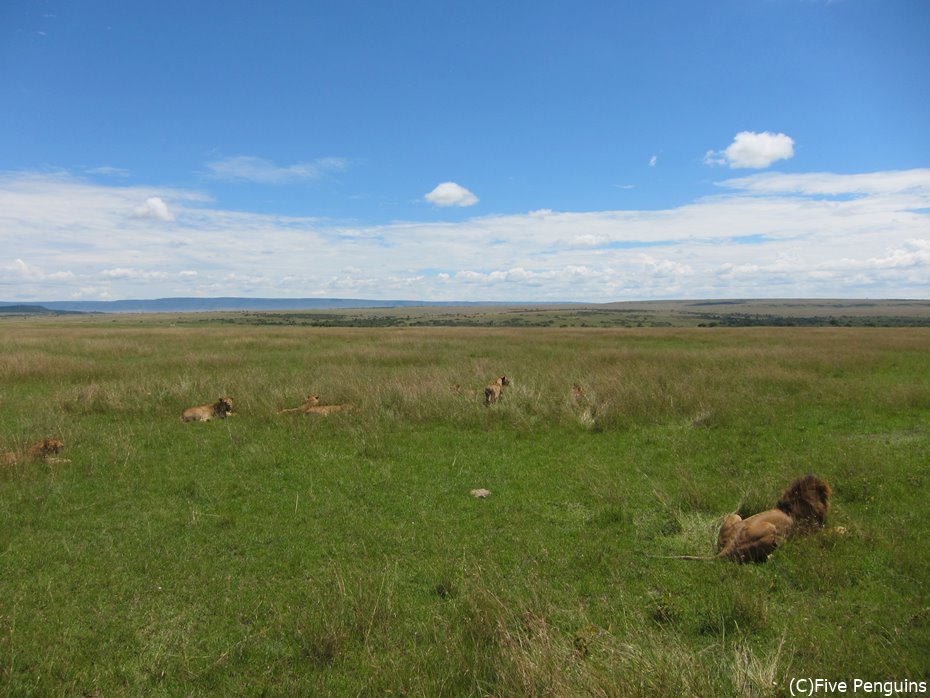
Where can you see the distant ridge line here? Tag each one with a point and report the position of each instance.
(232, 303)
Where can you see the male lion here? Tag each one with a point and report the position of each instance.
(311, 401)
(45, 450)
(203, 413)
(801, 509)
(495, 390)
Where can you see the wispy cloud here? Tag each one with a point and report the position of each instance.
(753, 150)
(247, 168)
(451, 194)
(108, 171)
(769, 234)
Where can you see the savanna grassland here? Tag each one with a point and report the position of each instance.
(270, 554)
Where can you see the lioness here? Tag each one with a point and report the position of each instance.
(495, 390)
(204, 413)
(326, 410)
(311, 401)
(45, 450)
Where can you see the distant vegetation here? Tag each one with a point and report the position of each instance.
(614, 315)
(335, 312)
(297, 555)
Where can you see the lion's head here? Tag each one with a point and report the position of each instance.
(223, 406)
(46, 448)
(806, 501)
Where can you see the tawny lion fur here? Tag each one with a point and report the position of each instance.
(495, 390)
(801, 509)
(326, 410)
(45, 450)
(311, 401)
(312, 406)
(204, 413)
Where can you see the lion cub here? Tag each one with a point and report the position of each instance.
(45, 450)
(220, 409)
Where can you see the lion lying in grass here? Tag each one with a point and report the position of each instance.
(312, 406)
(801, 509)
(45, 450)
(311, 401)
(220, 409)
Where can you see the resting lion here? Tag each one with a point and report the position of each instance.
(45, 450)
(312, 406)
(326, 410)
(203, 413)
(311, 401)
(495, 390)
(801, 509)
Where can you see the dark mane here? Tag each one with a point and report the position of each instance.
(806, 501)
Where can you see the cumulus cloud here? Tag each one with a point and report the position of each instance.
(451, 194)
(253, 169)
(155, 208)
(753, 150)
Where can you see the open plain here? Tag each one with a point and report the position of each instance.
(294, 554)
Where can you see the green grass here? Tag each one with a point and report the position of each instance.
(291, 555)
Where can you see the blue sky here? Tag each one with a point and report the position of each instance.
(589, 151)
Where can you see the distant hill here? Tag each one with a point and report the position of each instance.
(195, 305)
(29, 309)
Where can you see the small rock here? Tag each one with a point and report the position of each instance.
(480, 493)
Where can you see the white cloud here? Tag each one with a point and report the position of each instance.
(768, 234)
(653, 160)
(253, 169)
(133, 274)
(21, 271)
(92, 292)
(155, 208)
(451, 194)
(753, 150)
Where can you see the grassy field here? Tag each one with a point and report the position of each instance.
(270, 554)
